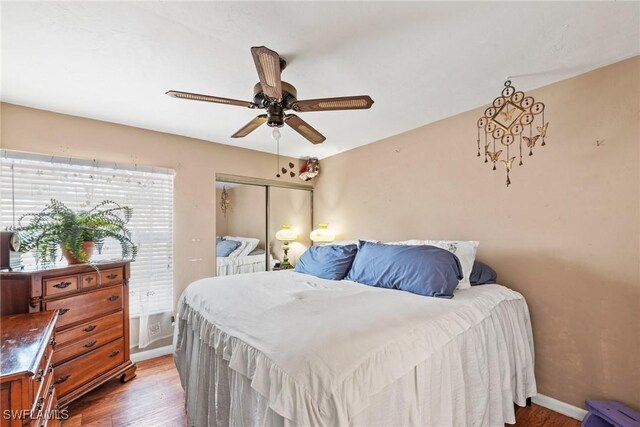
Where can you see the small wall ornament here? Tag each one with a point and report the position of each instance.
(512, 117)
(225, 201)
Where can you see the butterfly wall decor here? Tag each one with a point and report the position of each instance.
(511, 118)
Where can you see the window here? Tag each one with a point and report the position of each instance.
(28, 182)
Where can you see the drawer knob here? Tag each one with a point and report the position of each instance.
(112, 276)
(114, 353)
(62, 285)
(50, 368)
(61, 379)
(88, 279)
(114, 297)
(39, 375)
(62, 311)
(51, 388)
(52, 341)
(40, 404)
(89, 328)
(90, 344)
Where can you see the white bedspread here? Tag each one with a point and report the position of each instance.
(318, 351)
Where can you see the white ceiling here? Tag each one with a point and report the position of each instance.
(420, 62)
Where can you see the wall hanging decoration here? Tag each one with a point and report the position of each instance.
(513, 117)
(225, 201)
(310, 169)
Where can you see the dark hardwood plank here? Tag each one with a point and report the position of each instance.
(156, 398)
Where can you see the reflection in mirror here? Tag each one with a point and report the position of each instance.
(241, 229)
(289, 207)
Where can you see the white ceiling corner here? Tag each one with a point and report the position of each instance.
(419, 61)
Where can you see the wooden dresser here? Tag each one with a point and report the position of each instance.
(92, 330)
(28, 395)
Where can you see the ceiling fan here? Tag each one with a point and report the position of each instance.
(277, 97)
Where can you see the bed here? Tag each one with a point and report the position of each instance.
(227, 266)
(289, 349)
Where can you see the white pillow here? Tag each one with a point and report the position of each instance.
(464, 250)
(247, 245)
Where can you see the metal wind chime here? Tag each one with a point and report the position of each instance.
(511, 118)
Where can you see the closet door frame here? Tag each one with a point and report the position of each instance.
(267, 184)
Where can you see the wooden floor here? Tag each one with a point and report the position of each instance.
(156, 399)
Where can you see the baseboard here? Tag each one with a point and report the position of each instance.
(559, 406)
(150, 354)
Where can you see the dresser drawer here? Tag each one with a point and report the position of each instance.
(86, 345)
(111, 277)
(78, 308)
(44, 369)
(60, 285)
(87, 329)
(44, 393)
(77, 372)
(89, 280)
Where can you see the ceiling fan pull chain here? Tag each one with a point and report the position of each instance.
(275, 134)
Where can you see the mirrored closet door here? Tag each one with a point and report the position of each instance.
(289, 210)
(260, 226)
(241, 228)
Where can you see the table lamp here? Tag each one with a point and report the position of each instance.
(322, 234)
(286, 235)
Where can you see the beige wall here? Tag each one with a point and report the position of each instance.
(566, 233)
(196, 163)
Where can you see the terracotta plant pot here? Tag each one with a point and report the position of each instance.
(88, 247)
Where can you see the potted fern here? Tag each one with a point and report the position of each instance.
(76, 233)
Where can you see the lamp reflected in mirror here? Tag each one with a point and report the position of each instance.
(286, 235)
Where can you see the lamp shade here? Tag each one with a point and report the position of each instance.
(322, 234)
(286, 234)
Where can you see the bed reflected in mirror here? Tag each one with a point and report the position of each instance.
(241, 229)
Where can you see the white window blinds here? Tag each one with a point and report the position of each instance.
(28, 182)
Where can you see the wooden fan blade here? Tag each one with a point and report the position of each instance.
(250, 127)
(268, 65)
(343, 103)
(304, 129)
(209, 98)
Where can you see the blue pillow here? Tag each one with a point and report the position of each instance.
(327, 262)
(423, 270)
(225, 247)
(219, 239)
(482, 274)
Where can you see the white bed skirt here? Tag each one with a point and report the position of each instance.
(227, 266)
(473, 380)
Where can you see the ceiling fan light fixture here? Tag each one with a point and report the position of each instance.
(277, 98)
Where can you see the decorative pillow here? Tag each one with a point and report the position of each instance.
(464, 250)
(423, 270)
(328, 261)
(482, 274)
(225, 247)
(248, 245)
